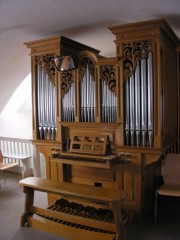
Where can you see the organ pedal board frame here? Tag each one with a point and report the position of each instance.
(79, 213)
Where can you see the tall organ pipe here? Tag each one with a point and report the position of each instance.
(132, 107)
(143, 100)
(139, 105)
(68, 105)
(87, 97)
(108, 105)
(46, 106)
(40, 110)
(150, 100)
(127, 112)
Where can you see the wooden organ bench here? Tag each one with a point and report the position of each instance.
(81, 212)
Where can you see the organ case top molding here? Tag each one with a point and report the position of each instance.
(157, 28)
(59, 45)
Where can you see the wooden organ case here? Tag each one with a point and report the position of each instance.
(108, 122)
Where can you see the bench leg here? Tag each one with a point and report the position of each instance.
(29, 200)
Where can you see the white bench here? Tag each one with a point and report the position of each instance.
(23, 160)
(19, 151)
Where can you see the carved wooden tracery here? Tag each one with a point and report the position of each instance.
(107, 74)
(86, 62)
(67, 78)
(47, 64)
(132, 53)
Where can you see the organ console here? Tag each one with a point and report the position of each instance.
(107, 123)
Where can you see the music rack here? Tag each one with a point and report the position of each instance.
(93, 144)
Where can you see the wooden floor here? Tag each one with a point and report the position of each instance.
(12, 206)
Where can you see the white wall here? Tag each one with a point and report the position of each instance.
(16, 125)
(16, 117)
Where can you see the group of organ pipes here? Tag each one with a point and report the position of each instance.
(104, 125)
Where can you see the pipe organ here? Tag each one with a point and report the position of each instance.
(108, 122)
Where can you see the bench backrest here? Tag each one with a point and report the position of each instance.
(171, 170)
(15, 146)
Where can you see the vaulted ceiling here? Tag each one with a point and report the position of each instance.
(84, 21)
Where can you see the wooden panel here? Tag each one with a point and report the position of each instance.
(152, 29)
(170, 91)
(54, 170)
(129, 182)
(44, 46)
(65, 231)
(150, 181)
(94, 173)
(74, 218)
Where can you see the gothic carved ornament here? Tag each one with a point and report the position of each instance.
(107, 74)
(132, 53)
(47, 64)
(84, 64)
(67, 78)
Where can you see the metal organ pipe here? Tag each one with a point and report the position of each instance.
(143, 101)
(150, 101)
(139, 105)
(103, 91)
(127, 112)
(68, 105)
(132, 107)
(87, 97)
(40, 109)
(46, 106)
(109, 104)
(53, 113)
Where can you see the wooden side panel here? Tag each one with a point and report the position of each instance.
(43, 224)
(150, 181)
(54, 170)
(94, 176)
(169, 92)
(129, 182)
